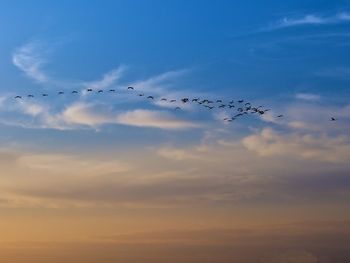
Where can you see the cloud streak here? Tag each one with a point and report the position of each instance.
(30, 59)
(311, 19)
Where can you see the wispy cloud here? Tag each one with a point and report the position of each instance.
(269, 142)
(155, 119)
(30, 58)
(310, 19)
(107, 79)
(307, 96)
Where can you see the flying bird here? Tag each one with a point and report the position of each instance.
(172, 100)
(177, 108)
(60, 92)
(240, 101)
(100, 91)
(18, 97)
(150, 97)
(141, 95)
(184, 100)
(280, 116)
(219, 101)
(333, 119)
(30, 96)
(193, 100)
(74, 92)
(89, 90)
(112, 90)
(44, 95)
(163, 99)
(130, 87)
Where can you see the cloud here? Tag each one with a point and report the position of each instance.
(107, 79)
(307, 96)
(29, 58)
(311, 19)
(268, 142)
(154, 119)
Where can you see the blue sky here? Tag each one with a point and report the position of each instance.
(264, 52)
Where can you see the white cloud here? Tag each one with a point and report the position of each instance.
(311, 19)
(107, 79)
(155, 119)
(307, 96)
(268, 142)
(29, 58)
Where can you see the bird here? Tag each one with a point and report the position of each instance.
(240, 109)
(100, 91)
(141, 95)
(163, 99)
(196, 99)
(60, 92)
(210, 101)
(240, 101)
(74, 92)
(18, 97)
(30, 96)
(222, 106)
(231, 102)
(333, 119)
(177, 108)
(89, 90)
(44, 95)
(219, 101)
(280, 116)
(150, 97)
(130, 87)
(184, 100)
(172, 100)
(112, 90)
(231, 106)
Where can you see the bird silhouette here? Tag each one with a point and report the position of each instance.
(280, 116)
(219, 101)
(172, 100)
(100, 91)
(240, 101)
(177, 108)
(222, 106)
(45, 95)
(163, 99)
(18, 97)
(184, 100)
(131, 88)
(150, 97)
(60, 92)
(231, 106)
(112, 90)
(74, 92)
(30, 96)
(195, 100)
(89, 90)
(333, 119)
(141, 95)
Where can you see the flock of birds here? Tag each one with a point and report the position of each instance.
(240, 107)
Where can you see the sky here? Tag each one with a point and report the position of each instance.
(117, 177)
